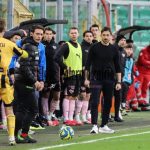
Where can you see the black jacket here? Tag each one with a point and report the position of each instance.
(52, 68)
(85, 50)
(27, 70)
(122, 56)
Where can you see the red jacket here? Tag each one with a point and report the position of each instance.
(143, 62)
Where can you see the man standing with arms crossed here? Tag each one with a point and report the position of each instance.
(7, 50)
(103, 63)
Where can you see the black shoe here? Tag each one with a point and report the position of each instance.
(19, 139)
(110, 120)
(118, 119)
(27, 139)
(35, 124)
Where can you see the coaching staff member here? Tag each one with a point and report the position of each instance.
(102, 63)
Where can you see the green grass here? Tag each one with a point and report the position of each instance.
(134, 123)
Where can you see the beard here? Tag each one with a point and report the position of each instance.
(105, 41)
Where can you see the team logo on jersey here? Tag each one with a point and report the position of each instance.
(71, 89)
(86, 50)
(54, 47)
(17, 65)
(78, 55)
(82, 88)
(52, 86)
(123, 55)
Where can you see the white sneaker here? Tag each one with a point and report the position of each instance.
(94, 130)
(31, 132)
(120, 115)
(12, 141)
(105, 129)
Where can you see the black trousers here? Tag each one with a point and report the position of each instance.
(117, 97)
(26, 106)
(120, 97)
(107, 87)
(125, 88)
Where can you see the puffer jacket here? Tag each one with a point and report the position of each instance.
(27, 69)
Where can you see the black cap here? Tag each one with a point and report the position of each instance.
(119, 37)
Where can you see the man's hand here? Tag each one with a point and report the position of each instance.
(12, 78)
(118, 86)
(87, 83)
(42, 86)
(37, 85)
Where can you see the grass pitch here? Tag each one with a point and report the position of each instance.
(132, 134)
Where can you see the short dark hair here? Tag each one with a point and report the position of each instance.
(106, 29)
(48, 29)
(128, 46)
(85, 32)
(129, 41)
(94, 26)
(73, 28)
(61, 42)
(34, 27)
(2, 25)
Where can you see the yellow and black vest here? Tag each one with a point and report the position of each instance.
(74, 59)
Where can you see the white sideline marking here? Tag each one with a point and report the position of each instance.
(90, 141)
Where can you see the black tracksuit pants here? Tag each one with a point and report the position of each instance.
(117, 97)
(107, 87)
(26, 106)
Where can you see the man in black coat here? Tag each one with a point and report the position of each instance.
(26, 83)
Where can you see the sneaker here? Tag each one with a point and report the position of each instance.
(35, 124)
(54, 117)
(105, 129)
(120, 115)
(124, 113)
(94, 130)
(110, 119)
(12, 141)
(79, 123)
(73, 123)
(117, 119)
(86, 122)
(27, 139)
(36, 128)
(55, 122)
(89, 119)
(136, 109)
(31, 132)
(67, 122)
(50, 123)
(145, 108)
(20, 139)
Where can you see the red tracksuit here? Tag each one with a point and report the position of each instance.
(143, 65)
